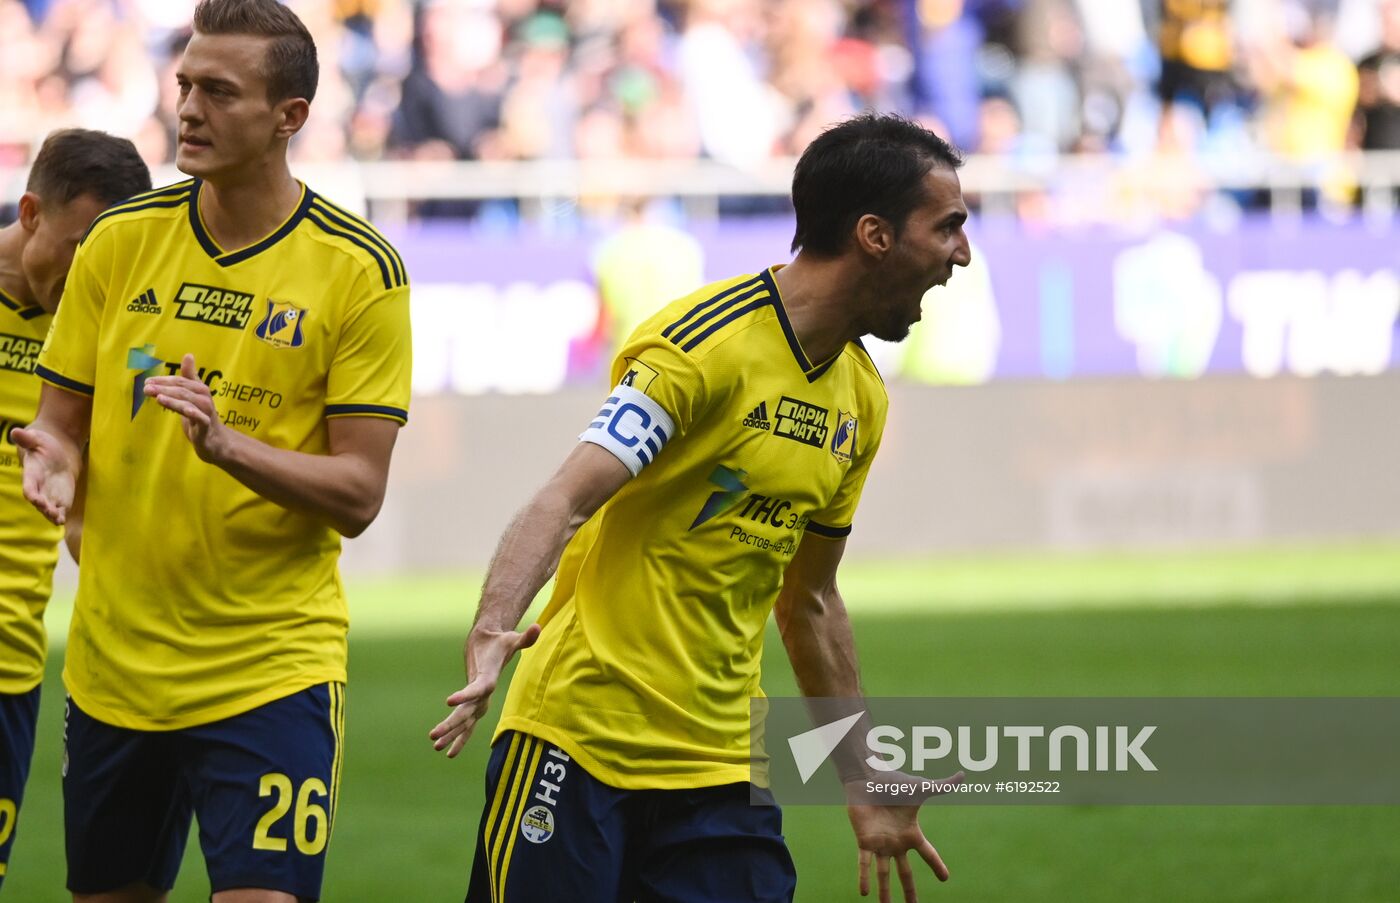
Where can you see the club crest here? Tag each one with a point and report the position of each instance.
(281, 328)
(843, 440)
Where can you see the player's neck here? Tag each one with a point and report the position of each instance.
(12, 281)
(239, 212)
(817, 297)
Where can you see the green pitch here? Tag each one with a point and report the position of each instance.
(1293, 622)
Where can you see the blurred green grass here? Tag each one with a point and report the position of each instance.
(1303, 621)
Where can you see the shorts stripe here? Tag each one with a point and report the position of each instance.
(340, 736)
(509, 816)
(491, 828)
(524, 796)
(337, 718)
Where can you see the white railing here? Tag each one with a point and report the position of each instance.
(390, 185)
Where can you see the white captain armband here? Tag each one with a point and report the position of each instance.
(632, 426)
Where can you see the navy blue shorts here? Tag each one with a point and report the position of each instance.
(263, 785)
(18, 712)
(551, 831)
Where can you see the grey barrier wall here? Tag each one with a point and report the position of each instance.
(1007, 466)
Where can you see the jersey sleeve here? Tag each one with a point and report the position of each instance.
(371, 373)
(834, 521)
(659, 392)
(69, 356)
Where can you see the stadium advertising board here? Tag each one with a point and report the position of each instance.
(525, 312)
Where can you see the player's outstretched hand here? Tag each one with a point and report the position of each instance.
(50, 473)
(188, 396)
(486, 654)
(886, 833)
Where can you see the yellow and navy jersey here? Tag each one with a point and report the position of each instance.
(197, 598)
(741, 447)
(28, 542)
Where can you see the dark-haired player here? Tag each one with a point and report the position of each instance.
(75, 176)
(719, 481)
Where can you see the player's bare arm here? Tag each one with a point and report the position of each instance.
(73, 524)
(524, 561)
(345, 487)
(51, 449)
(816, 632)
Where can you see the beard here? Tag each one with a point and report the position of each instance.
(905, 296)
(891, 329)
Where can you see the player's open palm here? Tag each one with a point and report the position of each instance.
(888, 833)
(188, 396)
(50, 473)
(486, 654)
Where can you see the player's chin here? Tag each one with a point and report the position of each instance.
(194, 160)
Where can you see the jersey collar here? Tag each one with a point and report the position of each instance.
(228, 258)
(24, 313)
(812, 372)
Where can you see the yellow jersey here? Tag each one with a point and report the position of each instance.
(28, 542)
(741, 448)
(197, 598)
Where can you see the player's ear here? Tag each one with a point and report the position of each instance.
(29, 211)
(874, 235)
(291, 116)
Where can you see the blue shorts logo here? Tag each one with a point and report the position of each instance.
(537, 824)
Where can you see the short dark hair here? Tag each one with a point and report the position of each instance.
(289, 66)
(871, 163)
(75, 162)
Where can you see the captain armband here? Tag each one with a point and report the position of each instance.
(632, 426)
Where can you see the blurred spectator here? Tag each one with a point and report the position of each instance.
(948, 35)
(540, 108)
(645, 260)
(1196, 41)
(738, 112)
(1378, 100)
(1310, 91)
(26, 62)
(1308, 88)
(1114, 69)
(451, 99)
(1045, 86)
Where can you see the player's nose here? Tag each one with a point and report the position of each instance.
(962, 255)
(189, 109)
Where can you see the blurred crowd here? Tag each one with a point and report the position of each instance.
(741, 81)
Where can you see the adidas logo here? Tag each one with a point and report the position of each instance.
(145, 303)
(758, 418)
